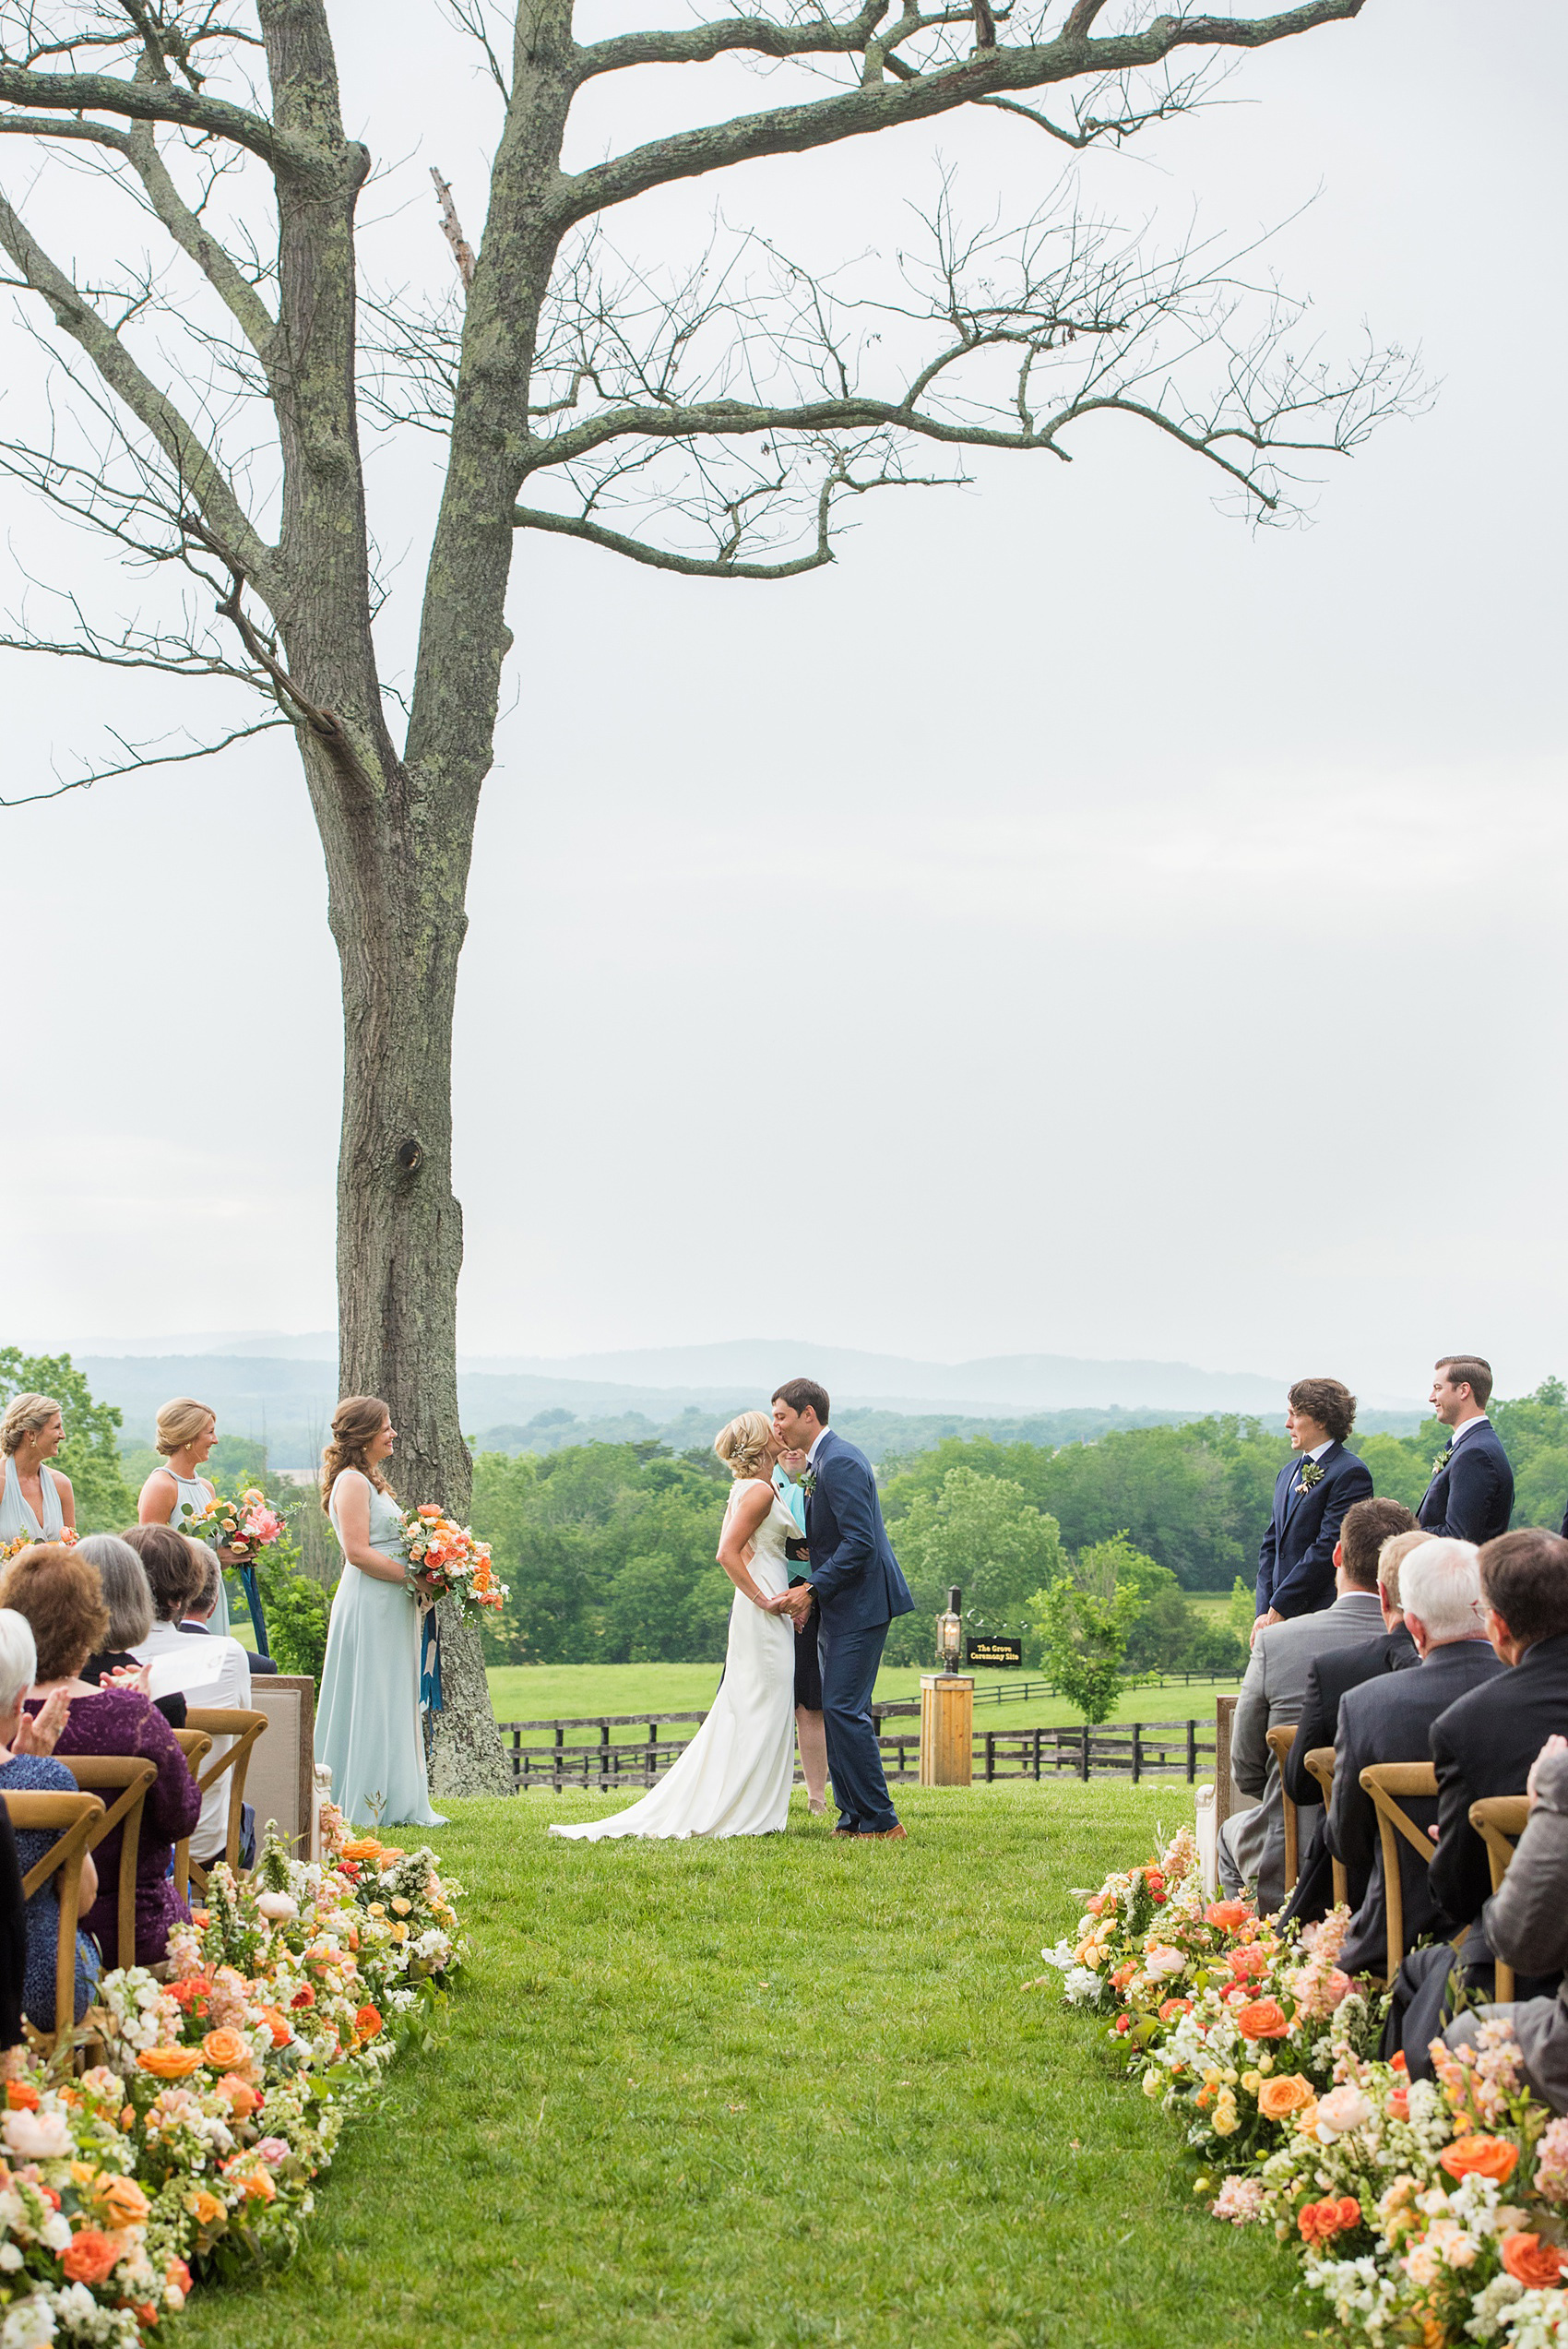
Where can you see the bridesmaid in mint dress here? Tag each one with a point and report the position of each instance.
(368, 1725)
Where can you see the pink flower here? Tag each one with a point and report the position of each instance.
(273, 2150)
(1343, 2109)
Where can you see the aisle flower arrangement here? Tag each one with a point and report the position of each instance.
(191, 2150)
(1425, 2212)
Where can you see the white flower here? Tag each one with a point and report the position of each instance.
(279, 1906)
(56, 2232)
(37, 2137)
(28, 2325)
(1485, 2321)
(10, 2259)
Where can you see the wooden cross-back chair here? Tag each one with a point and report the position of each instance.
(1389, 1785)
(133, 1777)
(71, 1819)
(1499, 1821)
(196, 1745)
(1279, 1744)
(1320, 1765)
(242, 1725)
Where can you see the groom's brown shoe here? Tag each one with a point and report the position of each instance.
(887, 1834)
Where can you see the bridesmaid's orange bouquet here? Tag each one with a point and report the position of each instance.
(446, 1561)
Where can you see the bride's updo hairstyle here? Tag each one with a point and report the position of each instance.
(356, 1424)
(743, 1446)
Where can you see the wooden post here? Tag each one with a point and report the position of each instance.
(947, 1729)
(1192, 1753)
(1224, 1710)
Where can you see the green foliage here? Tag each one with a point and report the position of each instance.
(981, 1532)
(1085, 1632)
(90, 1453)
(297, 1607)
(235, 1462)
(1242, 1612)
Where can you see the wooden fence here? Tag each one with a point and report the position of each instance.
(1135, 1749)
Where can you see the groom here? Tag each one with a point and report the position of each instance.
(855, 1580)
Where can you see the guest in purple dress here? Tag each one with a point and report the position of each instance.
(61, 1597)
(25, 1768)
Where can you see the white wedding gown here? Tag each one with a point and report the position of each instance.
(735, 1777)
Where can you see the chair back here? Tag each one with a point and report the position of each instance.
(71, 1818)
(1320, 1765)
(1499, 1821)
(131, 1778)
(196, 1745)
(242, 1727)
(1279, 1744)
(1389, 1785)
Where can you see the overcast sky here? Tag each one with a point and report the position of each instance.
(1073, 922)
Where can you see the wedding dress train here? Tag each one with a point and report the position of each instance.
(735, 1777)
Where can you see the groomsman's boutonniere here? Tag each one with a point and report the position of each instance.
(1311, 1473)
(1440, 1463)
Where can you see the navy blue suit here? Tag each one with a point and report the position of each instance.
(860, 1590)
(1296, 1557)
(1472, 1498)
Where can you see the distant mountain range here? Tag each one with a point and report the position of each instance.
(282, 1389)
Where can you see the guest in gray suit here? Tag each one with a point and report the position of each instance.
(1251, 1842)
(1527, 1925)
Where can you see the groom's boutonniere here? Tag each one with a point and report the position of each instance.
(1440, 1463)
(1311, 1473)
(808, 1482)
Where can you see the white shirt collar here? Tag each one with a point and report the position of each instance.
(816, 1441)
(1318, 1450)
(1457, 1435)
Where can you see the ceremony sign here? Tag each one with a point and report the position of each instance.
(995, 1652)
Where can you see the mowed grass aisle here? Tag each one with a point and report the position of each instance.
(771, 2092)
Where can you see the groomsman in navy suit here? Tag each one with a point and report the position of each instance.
(1312, 1493)
(1470, 1498)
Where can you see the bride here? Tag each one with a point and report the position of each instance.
(735, 1777)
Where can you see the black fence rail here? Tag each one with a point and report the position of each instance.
(1135, 1749)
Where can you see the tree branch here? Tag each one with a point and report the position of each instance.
(140, 759)
(698, 44)
(693, 567)
(159, 101)
(196, 468)
(878, 106)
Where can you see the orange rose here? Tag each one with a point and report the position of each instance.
(89, 2257)
(1262, 2018)
(281, 2031)
(1490, 2157)
(1399, 2105)
(1174, 2007)
(365, 1848)
(1227, 1915)
(242, 2098)
(1320, 2222)
(205, 2208)
(169, 2063)
(21, 2096)
(367, 2022)
(123, 2200)
(1286, 2093)
(1249, 1961)
(1537, 2265)
(224, 2048)
(253, 2179)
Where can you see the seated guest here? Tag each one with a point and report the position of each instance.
(1387, 1526)
(197, 1617)
(175, 1572)
(25, 1769)
(1312, 1493)
(58, 1592)
(1390, 1720)
(1485, 1743)
(1526, 1922)
(1470, 1498)
(129, 1598)
(1251, 1842)
(13, 1937)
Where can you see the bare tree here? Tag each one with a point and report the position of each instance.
(715, 421)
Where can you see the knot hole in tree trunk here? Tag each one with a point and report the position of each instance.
(410, 1156)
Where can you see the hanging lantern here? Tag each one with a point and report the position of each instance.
(950, 1631)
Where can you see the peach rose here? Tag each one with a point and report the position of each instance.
(123, 2200)
(1537, 2265)
(1399, 2105)
(169, 2063)
(223, 2048)
(1174, 2007)
(242, 2098)
(1227, 1915)
(205, 2208)
(1286, 2093)
(1490, 2157)
(1262, 2018)
(365, 1848)
(282, 2031)
(1320, 2222)
(89, 2257)
(1249, 1962)
(178, 2274)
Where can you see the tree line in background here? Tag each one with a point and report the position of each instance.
(1087, 1551)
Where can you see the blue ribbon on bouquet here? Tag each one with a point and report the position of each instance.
(431, 1699)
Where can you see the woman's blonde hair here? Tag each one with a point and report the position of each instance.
(183, 1421)
(357, 1421)
(24, 1416)
(742, 1445)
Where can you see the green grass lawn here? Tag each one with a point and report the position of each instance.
(766, 2093)
(545, 1691)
